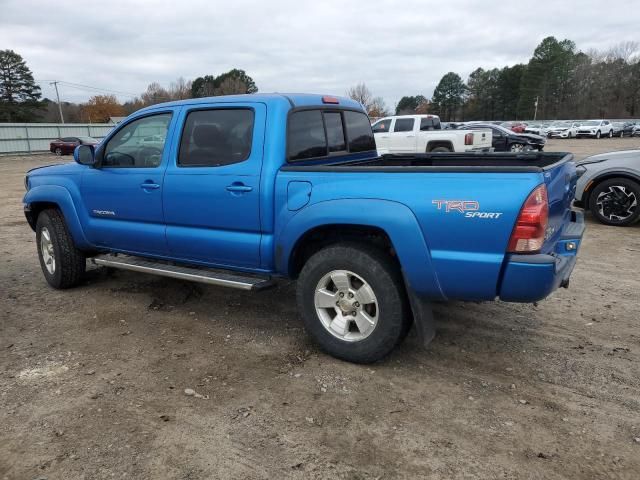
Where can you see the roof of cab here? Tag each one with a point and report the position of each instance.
(292, 99)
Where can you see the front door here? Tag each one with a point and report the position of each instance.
(403, 136)
(211, 192)
(498, 140)
(123, 195)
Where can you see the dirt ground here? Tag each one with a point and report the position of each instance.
(92, 379)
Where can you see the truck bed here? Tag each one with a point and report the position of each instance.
(461, 162)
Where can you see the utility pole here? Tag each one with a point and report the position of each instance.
(535, 112)
(55, 84)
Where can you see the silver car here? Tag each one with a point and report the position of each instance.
(609, 186)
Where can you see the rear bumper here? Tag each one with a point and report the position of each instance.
(529, 278)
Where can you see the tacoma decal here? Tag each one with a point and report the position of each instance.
(104, 212)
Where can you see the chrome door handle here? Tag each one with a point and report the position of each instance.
(149, 186)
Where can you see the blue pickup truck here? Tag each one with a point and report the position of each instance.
(242, 190)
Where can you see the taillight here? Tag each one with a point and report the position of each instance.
(468, 138)
(329, 99)
(531, 226)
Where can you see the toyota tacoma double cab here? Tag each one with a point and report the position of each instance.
(239, 191)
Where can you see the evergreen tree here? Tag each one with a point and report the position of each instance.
(19, 94)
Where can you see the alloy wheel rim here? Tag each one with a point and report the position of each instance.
(46, 249)
(518, 147)
(346, 305)
(617, 203)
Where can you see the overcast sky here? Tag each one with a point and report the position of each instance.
(324, 46)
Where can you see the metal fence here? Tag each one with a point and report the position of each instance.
(35, 137)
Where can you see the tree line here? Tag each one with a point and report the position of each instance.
(558, 82)
(21, 98)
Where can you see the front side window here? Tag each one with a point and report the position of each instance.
(139, 143)
(382, 126)
(213, 138)
(404, 125)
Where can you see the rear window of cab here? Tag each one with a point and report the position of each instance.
(316, 133)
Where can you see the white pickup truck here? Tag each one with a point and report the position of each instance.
(423, 133)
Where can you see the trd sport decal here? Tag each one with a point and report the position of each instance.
(469, 208)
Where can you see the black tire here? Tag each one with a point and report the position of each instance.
(58, 152)
(598, 135)
(383, 276)
(70, 263)
(441, 149)
(633, 190)
(610, 133)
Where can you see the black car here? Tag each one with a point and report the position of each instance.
(628, 129)
(505, 140)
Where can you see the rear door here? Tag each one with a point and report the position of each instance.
(403, 136)
(211, 192)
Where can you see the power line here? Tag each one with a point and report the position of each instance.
(90, 88)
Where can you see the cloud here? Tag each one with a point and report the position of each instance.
(396, 48)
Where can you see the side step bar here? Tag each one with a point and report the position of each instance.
(203, 275)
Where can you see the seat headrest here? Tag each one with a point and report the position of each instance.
(206, 135)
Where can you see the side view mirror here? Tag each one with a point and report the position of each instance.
(85, 155)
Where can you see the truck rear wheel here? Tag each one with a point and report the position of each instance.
(353, 303)
(63, 265)
(440, 149)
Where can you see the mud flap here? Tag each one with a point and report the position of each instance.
(422, 318)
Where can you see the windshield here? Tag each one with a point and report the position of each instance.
(506, 131)
(591, 123)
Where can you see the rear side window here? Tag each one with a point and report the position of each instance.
(429, 124)
(404, 125)
(213, 138)
(318, 133)
(359, 132)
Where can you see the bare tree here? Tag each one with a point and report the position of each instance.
(625, 51)
(180, 89)
(361, 94)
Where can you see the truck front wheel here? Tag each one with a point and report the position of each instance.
(63, 265)
(353, 303)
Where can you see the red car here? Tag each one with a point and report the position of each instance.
(66, 145)
(515, 127)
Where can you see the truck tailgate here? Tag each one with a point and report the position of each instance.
(481, 139)
(560, 179)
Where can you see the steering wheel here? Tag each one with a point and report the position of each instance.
(150, 156)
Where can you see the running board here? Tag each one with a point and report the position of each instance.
(223, 278)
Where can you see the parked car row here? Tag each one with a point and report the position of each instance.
(578, 128)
